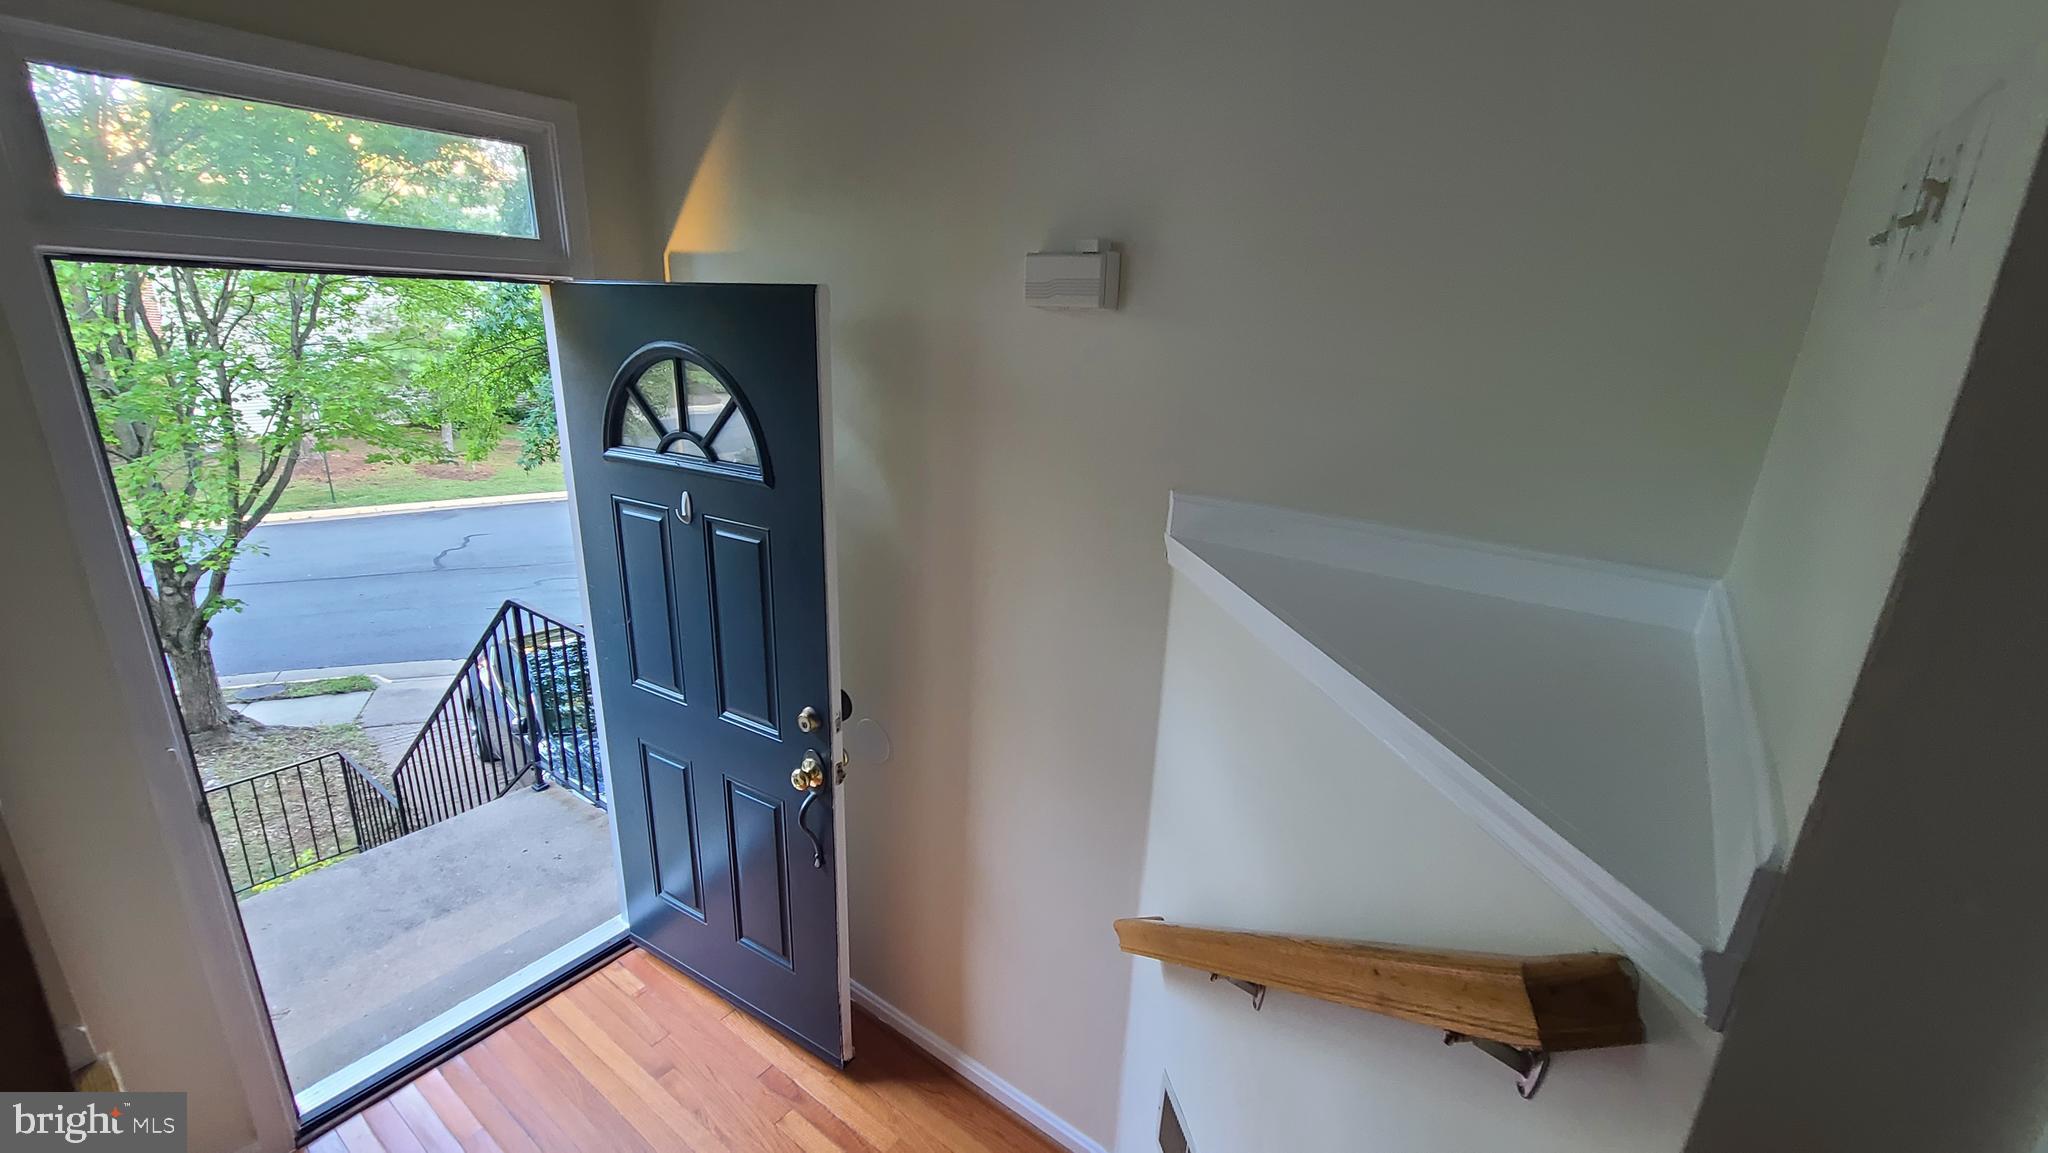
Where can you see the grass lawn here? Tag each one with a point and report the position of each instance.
(358, 481)
(324, 686)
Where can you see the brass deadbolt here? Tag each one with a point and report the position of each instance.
(807, 720)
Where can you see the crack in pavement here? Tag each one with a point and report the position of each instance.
(443, 554)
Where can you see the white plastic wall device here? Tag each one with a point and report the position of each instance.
(1085, 279)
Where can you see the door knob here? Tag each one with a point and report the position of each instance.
(808, 776)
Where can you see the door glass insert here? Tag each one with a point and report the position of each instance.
(708, 398)
(705, 426)
(658, 387)
(735, 442)
(113, 138)
(636, 429)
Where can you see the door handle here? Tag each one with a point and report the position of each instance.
(808, 778)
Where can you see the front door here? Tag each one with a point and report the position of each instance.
(696, 447)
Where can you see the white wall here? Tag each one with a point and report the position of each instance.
(1878, 372)
(70, 786)
(1533, 273)
(1894, 1000)
(1273, 809)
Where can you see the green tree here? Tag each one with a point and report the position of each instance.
(486, 363)
(127, 140)
(208, 386)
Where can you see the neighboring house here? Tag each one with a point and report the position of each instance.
(1563, 382)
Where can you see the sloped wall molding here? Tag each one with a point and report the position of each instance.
(1210, 541)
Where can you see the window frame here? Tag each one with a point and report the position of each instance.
(626, 382)
(39, 223)
(297, 77)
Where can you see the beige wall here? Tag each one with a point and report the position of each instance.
(70, 786)
(1878, 372)
(1273, 809)
(1531, 273)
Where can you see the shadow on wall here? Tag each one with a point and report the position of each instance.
(1895, 998)
(906, 632)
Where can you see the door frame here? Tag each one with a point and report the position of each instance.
(37, 224)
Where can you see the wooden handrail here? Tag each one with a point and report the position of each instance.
(1555, 1003)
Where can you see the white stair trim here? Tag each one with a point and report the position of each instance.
(1743, 798)
(1055, 1128)
(1749, 828)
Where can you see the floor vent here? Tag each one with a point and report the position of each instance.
(1173, 1137)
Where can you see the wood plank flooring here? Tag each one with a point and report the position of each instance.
(636, 1056)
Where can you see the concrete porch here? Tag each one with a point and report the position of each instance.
(356, 954)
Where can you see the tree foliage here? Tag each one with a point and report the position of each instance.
(487, 364)
(209, 385)
(123, 139)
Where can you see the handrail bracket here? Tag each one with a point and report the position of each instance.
(1528, 1065)
(1253, 989)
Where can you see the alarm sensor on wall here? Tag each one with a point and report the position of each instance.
(1084, 279)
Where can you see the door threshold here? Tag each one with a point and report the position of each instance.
(341, 1093)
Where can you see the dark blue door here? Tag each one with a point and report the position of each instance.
(695, 447)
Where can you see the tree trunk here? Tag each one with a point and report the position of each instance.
(188, 646)
(199, 693)
(448, 435)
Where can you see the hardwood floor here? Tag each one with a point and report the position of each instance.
(636, 1056)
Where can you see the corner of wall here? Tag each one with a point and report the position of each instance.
(1891, 334)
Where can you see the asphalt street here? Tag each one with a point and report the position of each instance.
(399, 587)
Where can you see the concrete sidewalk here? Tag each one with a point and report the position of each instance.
(391, 714)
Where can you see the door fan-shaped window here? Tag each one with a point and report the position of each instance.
(677, 409)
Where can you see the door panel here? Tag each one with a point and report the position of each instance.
(648, 590)
(742, 600)
(693, 420)
(673, 831)
(760, 893)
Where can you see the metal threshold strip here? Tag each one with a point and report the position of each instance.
(334, 1098)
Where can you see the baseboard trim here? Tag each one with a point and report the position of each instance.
(1044, 1120)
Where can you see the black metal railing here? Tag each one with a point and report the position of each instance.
(562, 716)
(379, 818)
(274, 825)
(519, 710)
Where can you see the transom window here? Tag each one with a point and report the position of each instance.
(678, 409)
(113, 138)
